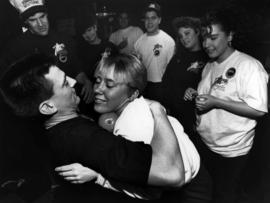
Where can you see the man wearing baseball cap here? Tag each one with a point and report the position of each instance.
(156, 48)
(38, 37)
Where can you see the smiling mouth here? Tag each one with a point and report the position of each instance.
(43, 29)
(99, 101)
(186, 43)
(209, 50)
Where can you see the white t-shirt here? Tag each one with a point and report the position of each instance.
(156, 52)
(137, 124)
(132, 34)
(239, 78)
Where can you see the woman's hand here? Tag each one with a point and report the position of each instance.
(205, 102)
(190, 94)
(76, 173)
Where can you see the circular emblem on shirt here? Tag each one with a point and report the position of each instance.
(156, 52)
(107, 121)
(157, 48)
(230, 72)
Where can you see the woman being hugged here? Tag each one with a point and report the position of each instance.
(232, 94)
(119, 81)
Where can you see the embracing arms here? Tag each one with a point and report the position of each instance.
(165, 168)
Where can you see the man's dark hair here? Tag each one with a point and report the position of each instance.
(23, 86)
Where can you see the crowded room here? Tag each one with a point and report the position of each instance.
(134, 101)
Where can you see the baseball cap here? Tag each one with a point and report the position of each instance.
(27, 8)
(153, 7)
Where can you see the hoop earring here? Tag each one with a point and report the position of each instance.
(229, 43)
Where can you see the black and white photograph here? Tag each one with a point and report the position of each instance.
(159, 101)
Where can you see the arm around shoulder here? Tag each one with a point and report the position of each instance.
(167, 168)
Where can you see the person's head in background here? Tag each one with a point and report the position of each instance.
(123, 19)
(188, 30)
(90, 32)
(152, 18)
(35, 86)
(221, 31)
(119, 79)
(34, 15)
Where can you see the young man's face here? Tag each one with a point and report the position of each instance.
(64, 98)
(90, 34)
(151, 22)
(123, 20)
(38, 24)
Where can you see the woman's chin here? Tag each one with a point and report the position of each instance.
(101, 110)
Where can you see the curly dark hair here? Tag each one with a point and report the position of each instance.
(231, 20)
(186, 21)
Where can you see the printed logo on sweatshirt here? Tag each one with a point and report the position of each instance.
(157, 49)
(219, 83)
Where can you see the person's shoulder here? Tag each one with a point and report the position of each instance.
(143, 36)
(244, 56)
(166, 36)
(116, 32)
(209, 66)
(135, 28)
(163, 33)
(141, 39)
(74, 130)
(246, 59)
(247, 65)
(84, 122)
(74, 124)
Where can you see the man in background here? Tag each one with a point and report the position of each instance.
(125, 37)
(156, 48)
(37, 37)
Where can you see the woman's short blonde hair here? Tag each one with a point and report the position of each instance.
(127, 68)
